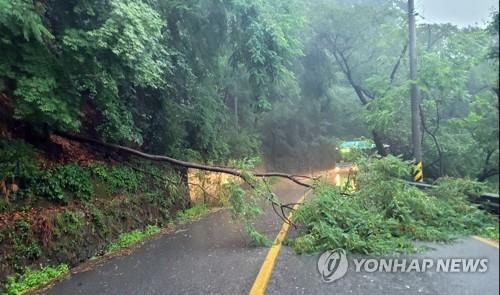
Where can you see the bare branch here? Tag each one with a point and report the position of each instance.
(396, 66)
(434, 138)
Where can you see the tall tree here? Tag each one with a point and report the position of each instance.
(360, 38)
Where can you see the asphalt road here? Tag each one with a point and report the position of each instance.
(209, 256)
(298, 274)
(212, 256)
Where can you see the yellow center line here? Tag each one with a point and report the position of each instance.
(260, 283)
(486, 241)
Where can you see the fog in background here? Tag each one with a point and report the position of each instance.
(461, 13)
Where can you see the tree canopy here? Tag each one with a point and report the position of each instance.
(219, 80)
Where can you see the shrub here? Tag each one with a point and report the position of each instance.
(68, 223)
(74, 178)
(118, 177)
(54, 184)
(458, 188)
(17, 160)
(98, 220)
(24, 244)
(18, 163)
(46, 186)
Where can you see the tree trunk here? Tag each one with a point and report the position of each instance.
(379, 144)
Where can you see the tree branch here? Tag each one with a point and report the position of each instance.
(486, 173)
(434, 138)
(360, 92)
(193, 165)
(396, 66)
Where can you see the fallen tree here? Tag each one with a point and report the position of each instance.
(386, 215)
(246, 176)
(227, 170)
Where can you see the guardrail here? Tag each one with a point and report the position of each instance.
(487, 201)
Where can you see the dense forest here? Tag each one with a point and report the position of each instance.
(219, 81)
(212, 81)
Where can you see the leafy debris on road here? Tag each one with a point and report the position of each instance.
(385, 214)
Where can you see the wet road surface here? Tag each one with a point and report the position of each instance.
(295, 274)
(212, 256)
(208, 256)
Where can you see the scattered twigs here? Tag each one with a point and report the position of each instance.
(274, 203)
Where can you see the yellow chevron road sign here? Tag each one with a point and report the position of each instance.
(418, 174)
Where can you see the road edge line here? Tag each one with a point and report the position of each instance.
(260, 284)
(487, 241)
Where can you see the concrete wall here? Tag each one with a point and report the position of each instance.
(208, 187)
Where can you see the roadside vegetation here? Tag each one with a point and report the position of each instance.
(193, 212)
(223, 83)
(384, 214)
(68, 212)
(130, 238)
(21, 283)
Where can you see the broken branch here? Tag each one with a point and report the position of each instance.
(186, 164)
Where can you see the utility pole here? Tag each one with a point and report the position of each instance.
(416, 132)
(236, 119)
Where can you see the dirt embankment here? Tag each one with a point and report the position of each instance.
(38, 231)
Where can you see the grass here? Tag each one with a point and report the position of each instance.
(33, 278)
(490, 232)
(127, 239)
(192, 212)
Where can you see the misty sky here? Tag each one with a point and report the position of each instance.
(459, 12)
